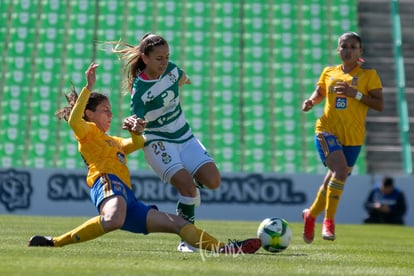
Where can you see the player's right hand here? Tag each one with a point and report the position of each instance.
(134, 124)
(307, 105)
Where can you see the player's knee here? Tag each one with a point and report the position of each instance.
(341, 175)
(112, 222)
(215, 183)
(212, 182)
(208, 176)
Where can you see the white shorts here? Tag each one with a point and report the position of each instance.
(168, 158)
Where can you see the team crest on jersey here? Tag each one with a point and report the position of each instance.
(149, 95)
(172, 77)
(354, 81)
(121, 157)
(166, 158)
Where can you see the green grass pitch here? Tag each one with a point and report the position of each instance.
(358, 250)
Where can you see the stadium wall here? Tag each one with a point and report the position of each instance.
(242, 196)
(251, 64)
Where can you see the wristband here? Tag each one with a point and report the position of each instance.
(358, 96)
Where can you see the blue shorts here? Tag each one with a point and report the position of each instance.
(136, 217)
(326, 143)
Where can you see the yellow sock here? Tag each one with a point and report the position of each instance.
(89, 230)
(335, 189)
(199, 238)
(319, 203)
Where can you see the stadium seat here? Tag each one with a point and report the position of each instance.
(48, 64)
(170, 7)
(197, 8)
(12, 155)
(54, 6)
(258, 160)
(256, 11)
(225, 153)
(17, 44)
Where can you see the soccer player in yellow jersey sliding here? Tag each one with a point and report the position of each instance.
(349, 89)
(90, 116)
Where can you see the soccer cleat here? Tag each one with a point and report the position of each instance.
(234, 247)
(308, 226)
(186, 248)
(328, 229)
(40, 241)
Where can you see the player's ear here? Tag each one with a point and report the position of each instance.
(144, 58)
(88, 114)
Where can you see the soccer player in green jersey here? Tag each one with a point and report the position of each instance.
(171, 149)
(349, 90)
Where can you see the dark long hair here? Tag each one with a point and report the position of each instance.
(94, 100)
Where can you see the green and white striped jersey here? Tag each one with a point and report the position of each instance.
(158, 102)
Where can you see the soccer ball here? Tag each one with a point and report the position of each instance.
(275, 234)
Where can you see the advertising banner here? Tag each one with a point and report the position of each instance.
(241, 196)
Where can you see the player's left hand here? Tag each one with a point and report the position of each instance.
(90, 76)
(307, 105)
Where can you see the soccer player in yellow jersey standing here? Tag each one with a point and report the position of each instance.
(90, 117)
(349, 89)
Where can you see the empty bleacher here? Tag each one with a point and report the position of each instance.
(251, 63)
